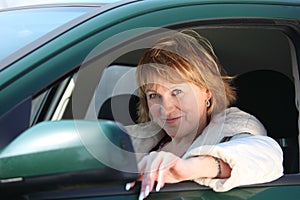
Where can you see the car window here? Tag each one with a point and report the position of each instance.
(52, 103)
(37, 104)
(21, 27)
(116, 80)
(241, 53)
(120, 78)
(56, 102)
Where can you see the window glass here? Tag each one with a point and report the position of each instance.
(20, 27)
(37, 105)
(52, 104)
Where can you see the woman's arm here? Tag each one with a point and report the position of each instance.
(245, 159)
(164, 167)
(211, 167)
(252, 159)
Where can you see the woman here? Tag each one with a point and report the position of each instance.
(188, 130)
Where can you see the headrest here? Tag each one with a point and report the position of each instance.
(270, 96)
(121, 108)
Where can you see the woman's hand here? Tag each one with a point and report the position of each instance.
(164, 167)
(161, 167)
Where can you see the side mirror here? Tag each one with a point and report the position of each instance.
(58, 154)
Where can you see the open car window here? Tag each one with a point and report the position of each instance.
(258, 68)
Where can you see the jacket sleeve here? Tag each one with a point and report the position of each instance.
(253, 159)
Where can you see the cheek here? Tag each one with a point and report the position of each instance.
(194, 106)
(190, 103)
(199, 99)
(154, 110)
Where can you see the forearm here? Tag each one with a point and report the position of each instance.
(206, 167)
(258, 160)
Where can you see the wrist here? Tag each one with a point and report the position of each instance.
(218, 163)
(206, 167)
(200, 167)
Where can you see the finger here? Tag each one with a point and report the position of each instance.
(151, 169)
(145, 189)
(161, 174)
(141, 196)
(144, 178)
(140, 178)
(128, 186)
(150, 173)
(159, 181)
(164, 170)
(142, 165)
(146, 186)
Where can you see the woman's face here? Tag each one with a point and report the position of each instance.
(178, 108)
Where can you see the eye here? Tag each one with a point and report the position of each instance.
(152, 96)
(176, 92)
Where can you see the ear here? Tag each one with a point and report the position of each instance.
(208, 94)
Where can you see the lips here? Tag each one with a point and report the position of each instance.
(172, 120)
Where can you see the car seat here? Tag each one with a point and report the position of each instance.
(270, 96)
(121, 108)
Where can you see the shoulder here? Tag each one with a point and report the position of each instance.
(238, 121)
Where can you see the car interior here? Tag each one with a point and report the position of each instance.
(261, 61)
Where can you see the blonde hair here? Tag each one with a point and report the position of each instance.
(184, 56)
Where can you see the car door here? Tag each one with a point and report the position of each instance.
(116, 36)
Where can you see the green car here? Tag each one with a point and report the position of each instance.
(67, 89)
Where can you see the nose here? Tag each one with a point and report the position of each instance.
(168, 105)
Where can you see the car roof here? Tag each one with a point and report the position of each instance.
(30, 3)
(21, 4)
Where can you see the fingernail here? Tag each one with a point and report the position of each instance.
(127, 186)
(157, 187)
(141, 197)
(147, 190)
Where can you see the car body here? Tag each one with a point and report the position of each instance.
(54, 85)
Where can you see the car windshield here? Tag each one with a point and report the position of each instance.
(22, 26)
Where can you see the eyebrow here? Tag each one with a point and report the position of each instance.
(150, 90)
(175, 86)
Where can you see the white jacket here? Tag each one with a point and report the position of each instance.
(253, 156)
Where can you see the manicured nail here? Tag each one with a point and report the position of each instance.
(127, 186)
(141, 197)
(157, 187)
(147, 190)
